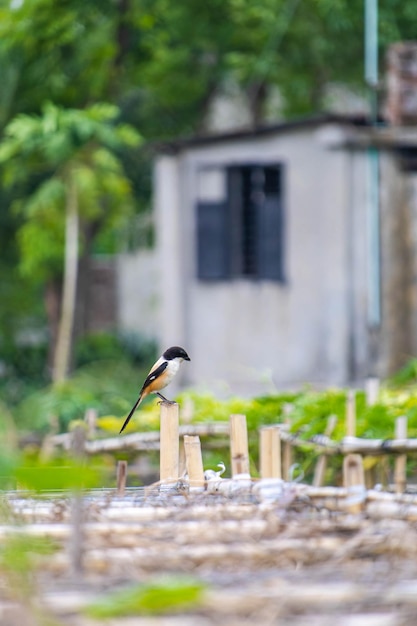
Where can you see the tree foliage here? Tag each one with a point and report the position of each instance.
(37, 154)
(71, 153)
(161, 64)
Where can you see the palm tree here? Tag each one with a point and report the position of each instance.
(67, 160)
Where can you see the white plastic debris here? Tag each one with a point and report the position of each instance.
(269, 489)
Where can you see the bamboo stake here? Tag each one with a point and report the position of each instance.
(287, 453)
(351, 413)
(121, 477)
(320, 468)
(400, 474)
(239, 445)
(76, 544)
(354, 481)
(91, 421)
(47, 449)
(372, 390)
(270, 452)
(169, 441)
(194, 461)
(353, 472)
(182, 466)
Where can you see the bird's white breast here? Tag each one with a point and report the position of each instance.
(171, 370)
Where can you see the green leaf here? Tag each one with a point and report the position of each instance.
(164, 596)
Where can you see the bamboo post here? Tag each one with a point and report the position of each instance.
(371, 394)
(384, 472)
(320, 468)
(270, 452)
(194, 461)
(182, 466)
(47, 449)
(91, 421)
(351, 413)
(169, 442)
(76, 515)
(187, 410)
(239, 450)
(287, 452)
(354, 481)
(353, 471)
(121, 477)
(400, 473)
(372, 390)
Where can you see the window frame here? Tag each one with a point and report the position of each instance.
(270, 264)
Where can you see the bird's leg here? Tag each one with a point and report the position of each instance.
(165, 399)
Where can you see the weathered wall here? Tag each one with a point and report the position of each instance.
(138, 288)
(245, 335)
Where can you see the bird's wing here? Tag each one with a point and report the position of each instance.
(153, 374)
(157, 364)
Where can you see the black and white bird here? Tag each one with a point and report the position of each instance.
(160, 375)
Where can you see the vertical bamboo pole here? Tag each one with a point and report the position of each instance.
(400, 473)
(182, 468)
(353, 472)
(239, 450)
(91, 421)
(121, 477)
(77, 531)
(187, 410)
(194, 461)
(372, 390)
(354, 481)
(351, 413)
(371, 395)
(270, 452)
(287, 452)
(320, 468)
(169, 442)
(47, 449)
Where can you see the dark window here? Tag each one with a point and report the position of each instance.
(212, 240)
(243, 236)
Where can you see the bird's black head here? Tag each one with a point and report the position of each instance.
(176, 352)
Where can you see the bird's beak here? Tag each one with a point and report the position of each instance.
(187, 358)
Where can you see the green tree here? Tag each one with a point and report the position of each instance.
(66, 158)
(164, 62)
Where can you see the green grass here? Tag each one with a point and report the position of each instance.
(167, 595)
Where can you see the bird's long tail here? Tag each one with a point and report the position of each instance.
(127, 420)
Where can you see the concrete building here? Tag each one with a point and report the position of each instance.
(267, 265)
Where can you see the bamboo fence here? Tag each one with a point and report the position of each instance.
(332, 542)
